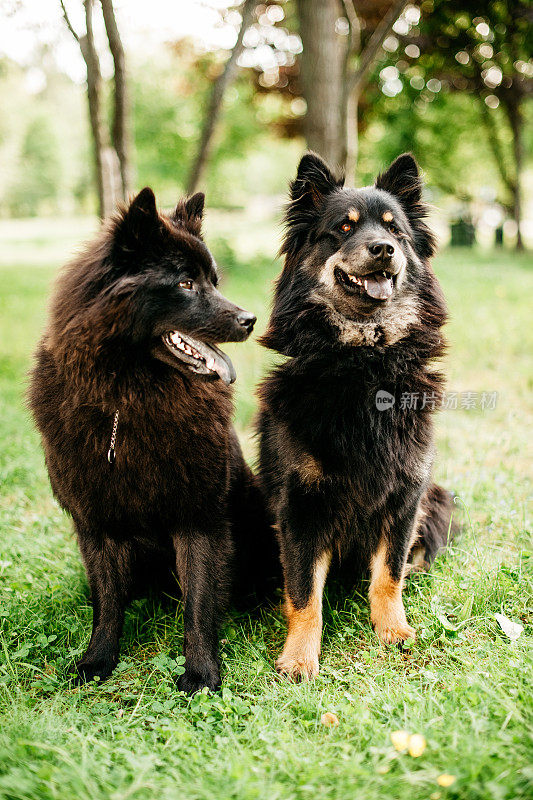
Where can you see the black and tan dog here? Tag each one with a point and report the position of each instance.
(132, 398)
(358, 311)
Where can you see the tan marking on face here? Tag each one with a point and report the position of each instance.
(388, 216)
(401, 262)
(353, 214)
(387, 612)
(386, 326)
(299, 658)
(326, 276)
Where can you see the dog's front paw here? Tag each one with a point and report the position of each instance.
(391, 634)
(87, 669)
(195, 679)
(298, 666)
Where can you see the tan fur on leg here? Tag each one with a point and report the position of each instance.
(299, 658)
(386, 605)
(417, 562)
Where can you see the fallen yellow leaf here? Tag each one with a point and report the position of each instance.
(417, 745)
(400, 740)
(330, 719)
(445, 779)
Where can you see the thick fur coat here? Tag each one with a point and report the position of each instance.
(131, 332)
(358, 312)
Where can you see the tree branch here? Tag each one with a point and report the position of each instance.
(99, 133)
(375, 43)
(121, 107)
(354, 44)
(67, 20)
(495, 144)
(354, 40)
(217, 96)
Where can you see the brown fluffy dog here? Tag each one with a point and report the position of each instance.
(131, 341)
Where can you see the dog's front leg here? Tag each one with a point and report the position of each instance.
(305, 557)
(108, 564)
(388, 566)
(303, 609)
(203, 566)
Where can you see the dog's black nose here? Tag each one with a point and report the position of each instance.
(247, 320)
(381, 249)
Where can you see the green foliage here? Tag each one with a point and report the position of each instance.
(462, 684)
(473, 38)
(47, 155)
(40, 171)
(44, 145)
(170, 98)
(165, 122)
(463, 73)
(444, 135)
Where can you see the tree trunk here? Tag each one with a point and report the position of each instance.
(322, 68)
(104, 183)
(354, 82)
(106, 164)
(121, 110)
(352, 137)
(516, 121)
(511, 182)
(217, 96)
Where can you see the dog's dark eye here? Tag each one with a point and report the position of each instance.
(394, 229)
(189, 285)
(346, 227)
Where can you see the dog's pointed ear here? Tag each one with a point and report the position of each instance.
(313, 183)
(314, 179)
(403, 180)
(139, 221)
(194, 206)
(189, 213)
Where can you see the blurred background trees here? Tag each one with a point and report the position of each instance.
(482, 51)
(233, 102)
(111, 148)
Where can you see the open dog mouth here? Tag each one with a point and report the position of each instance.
(377, 285)
(202, 358)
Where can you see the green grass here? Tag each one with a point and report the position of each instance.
(463, 685)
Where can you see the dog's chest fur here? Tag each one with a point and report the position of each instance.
(154, 476)
(323, 427)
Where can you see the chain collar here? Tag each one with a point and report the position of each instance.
(111, 451)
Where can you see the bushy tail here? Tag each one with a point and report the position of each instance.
(437, 526)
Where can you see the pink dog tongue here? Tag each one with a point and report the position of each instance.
(378, 286)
